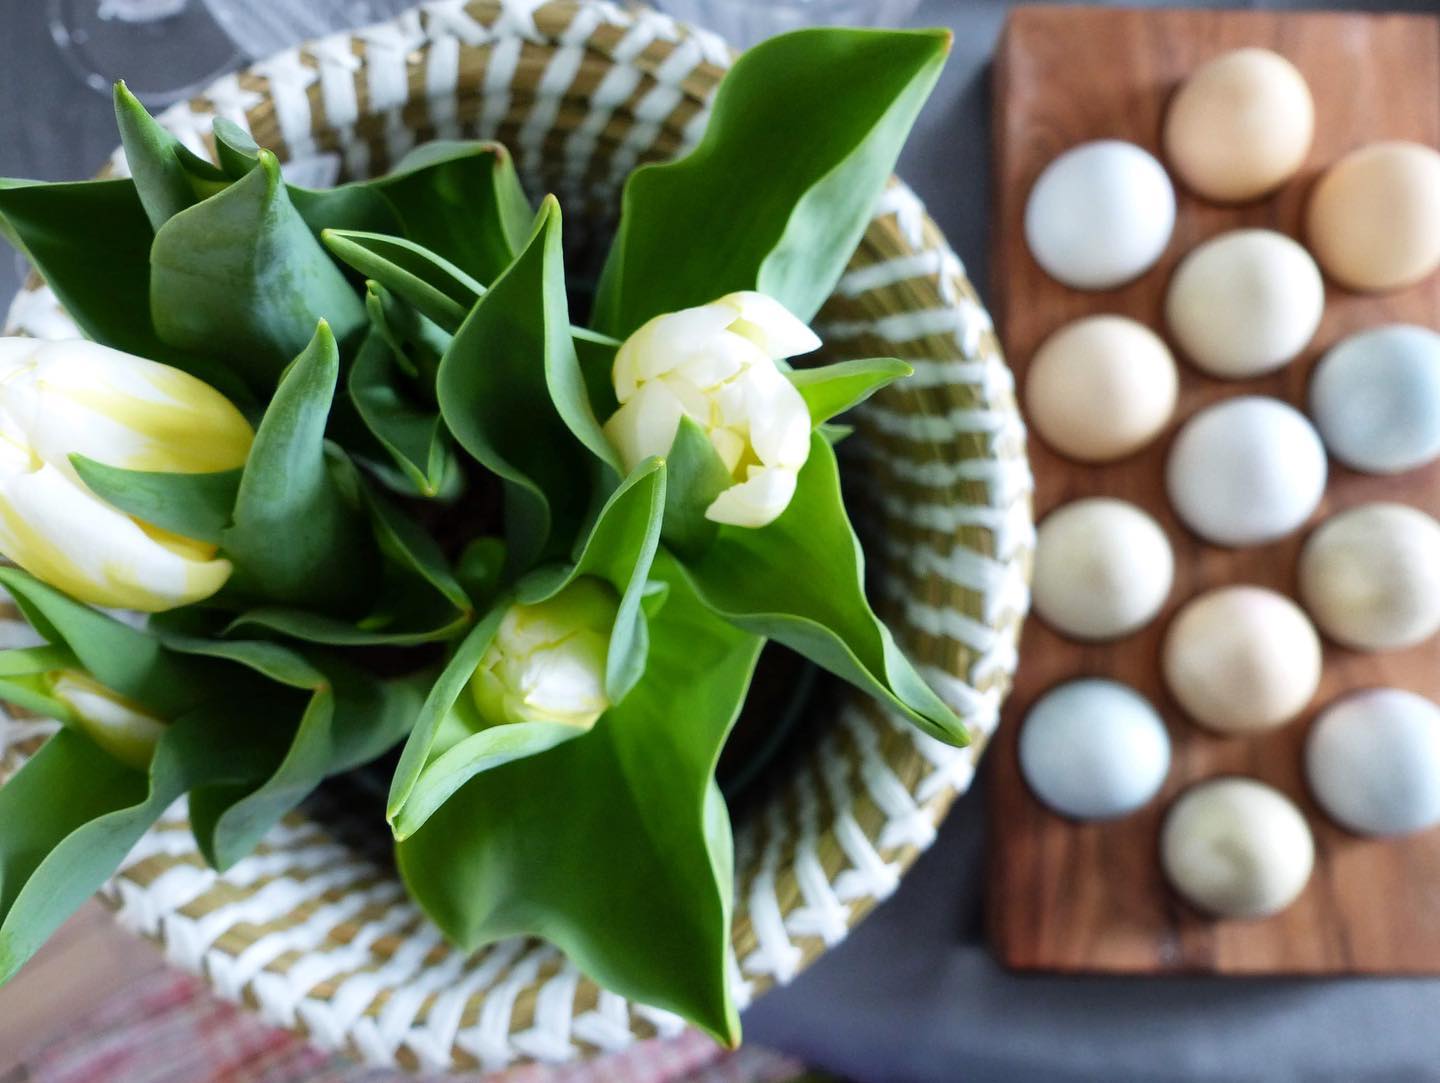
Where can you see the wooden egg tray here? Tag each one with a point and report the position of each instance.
(1091, 897)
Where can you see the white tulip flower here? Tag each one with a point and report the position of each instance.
(716, 364)
(118, 725)
(547, 660)
(63, 398)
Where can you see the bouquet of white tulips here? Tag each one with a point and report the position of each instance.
(374, 480)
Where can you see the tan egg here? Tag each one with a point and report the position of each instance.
(1370, 576)
(1236, 848)
(1240, 126)
(1100, 388)
(1103, 569)
(1242, 659)
(1374, 218)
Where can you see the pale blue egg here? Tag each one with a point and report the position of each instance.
(1094, 749)
(1375, 398)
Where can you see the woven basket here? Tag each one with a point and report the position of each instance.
(314, 931)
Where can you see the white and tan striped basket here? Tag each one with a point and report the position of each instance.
(314, 931)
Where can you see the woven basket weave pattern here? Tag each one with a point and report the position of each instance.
(320, 937)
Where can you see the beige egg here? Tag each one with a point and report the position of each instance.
(1240, 126)
(1103, 569)
(1236, 848)
(1374, 218)
(1241, 659)
(1100, 388)
(1244, 303)
(1370, 576)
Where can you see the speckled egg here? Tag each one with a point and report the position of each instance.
(1236, 848)
(1241, 659)
(1373, 762)
(1375, 398)
(1101, 388)
(1246, 471)
(1244, 303)
(1370, 576)
(1374, 218)
(1100, 214)
(1103, 569)
(1239, 126)
(1094, 750)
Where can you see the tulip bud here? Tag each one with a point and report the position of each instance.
(716, 365)
(547, 660)
(118, 725)
(63, 398)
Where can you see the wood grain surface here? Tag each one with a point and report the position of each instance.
(1070, 897)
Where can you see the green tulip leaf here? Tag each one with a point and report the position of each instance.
(414, 436)
(801, 582)
(241, 275)
(235, 150)
(832, 389)
(169, 176)
(696, 477)
(295, 539)
(532, 847)
(438, 289)
(195, 506)
(512, 394)
(840, 103)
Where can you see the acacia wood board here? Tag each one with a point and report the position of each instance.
(1091, 897)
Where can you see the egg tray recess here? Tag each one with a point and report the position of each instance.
(1067, 896)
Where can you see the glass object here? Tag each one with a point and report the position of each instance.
(743, 23)
(164, 49)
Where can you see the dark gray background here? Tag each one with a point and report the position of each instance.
(912, 995)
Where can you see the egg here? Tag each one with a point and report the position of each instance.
(1101, 388)
(1239, 126)
(1236, 848)
(1244, 303)
(1103, 569)
(1246, 471)
(1100, 214)
(1370, 577)
(1374, 218)
(1241, 659)
(1373, 762)
(1375, 398)
(1094, 750)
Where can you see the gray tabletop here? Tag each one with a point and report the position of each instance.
(912, 995)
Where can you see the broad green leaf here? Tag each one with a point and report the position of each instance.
(832, 389)
(511, 392)
(451, 743)
(295, 539)
(481, 568)
(192, 505)
(241, 276)
(169, 176)
(414, 436)
(835, 107)
(237, 152)
(532, 847)
(696, 477)
(801, 581)
(438, 289)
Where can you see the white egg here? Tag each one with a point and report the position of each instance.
(1373, 762)
(1370, 577)
(1245, 303)
(1236, 848)
(1100, 214)
(1103, 569)
(1094, 750)
(1375, 398)
(1241, 659)
(1246, 471)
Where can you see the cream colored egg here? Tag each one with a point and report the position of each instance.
(1244, 303)
(1236, 848)
(1370, 576)
(1241, 659)
(1374, 217)
(1100, 388)
(1103, 569)
(1240, 126)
